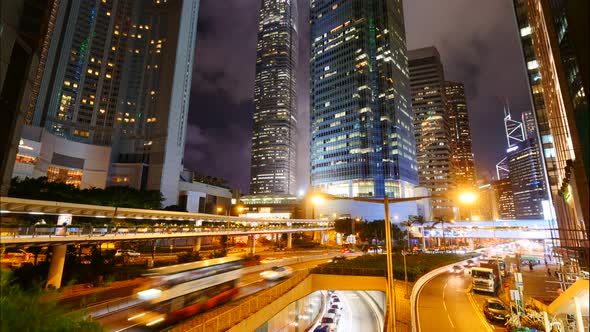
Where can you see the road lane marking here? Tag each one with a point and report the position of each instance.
(445, 304)
(479, 314)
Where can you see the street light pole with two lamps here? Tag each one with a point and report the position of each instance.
(319, 198)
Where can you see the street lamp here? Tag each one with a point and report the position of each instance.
(315, 200)
(319, 198)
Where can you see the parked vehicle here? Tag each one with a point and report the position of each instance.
(494, 310)
(132, 253)
(486, 278)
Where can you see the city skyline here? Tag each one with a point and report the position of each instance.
(490, 77)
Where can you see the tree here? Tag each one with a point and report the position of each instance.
(118, 196)
(343, 226)
(23, 311)
(412, 220)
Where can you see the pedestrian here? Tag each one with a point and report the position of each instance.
(549, 272)
(530, 265)
(545, 261)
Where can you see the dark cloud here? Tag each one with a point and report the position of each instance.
(478, 46)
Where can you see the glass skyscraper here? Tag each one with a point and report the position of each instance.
(362, 133)
(275, 116)
(432, 126)
(462, 153)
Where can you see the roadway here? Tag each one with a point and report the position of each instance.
(446, 303)
(357, 313)
(249, 284)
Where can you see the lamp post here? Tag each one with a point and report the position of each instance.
(319, 198)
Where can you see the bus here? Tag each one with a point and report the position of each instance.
(180, 291)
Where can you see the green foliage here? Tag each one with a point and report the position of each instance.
(343, 226)
(187, 257)
(23, 311)
(119, 196)
(417, 265)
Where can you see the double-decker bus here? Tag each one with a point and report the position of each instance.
(180, 291)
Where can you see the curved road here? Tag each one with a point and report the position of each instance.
(357, 314)
(445, 303)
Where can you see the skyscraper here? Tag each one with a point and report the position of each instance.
(362, 140)
(110, 96)
(527, 179)
(560, 52)
(275, 116)
(431, 125)
(462, 154)
(504, 199)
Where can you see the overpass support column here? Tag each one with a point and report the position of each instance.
(578, 311)
(316, 236)
(196, 244)
(56, 268)
(289, 240)
(471, 246)
(252, 244)
(322, 237)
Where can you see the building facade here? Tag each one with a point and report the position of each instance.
(274, 133)
(462, 153)
(554, 38)
(362, 135)
(504, 199)
(431, 126)
(22, 27)
(115, 75)
(527, 179)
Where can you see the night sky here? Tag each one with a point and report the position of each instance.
(478, 44)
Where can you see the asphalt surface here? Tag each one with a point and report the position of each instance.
(249, 284)
(446, 303)
(356, 313)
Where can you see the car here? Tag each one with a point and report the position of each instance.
(335, 306)
(470, 263)
(332, 311)
(322, 328)
(122, 252)
(456, 269)
(329, 320)
(494, 310)
(336, 259)
(335, 300)
(277, 272)
(373, 250)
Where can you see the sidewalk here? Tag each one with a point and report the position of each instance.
(536, 283)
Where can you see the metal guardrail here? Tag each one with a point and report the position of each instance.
(82, 234)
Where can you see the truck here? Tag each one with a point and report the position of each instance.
(486, 278)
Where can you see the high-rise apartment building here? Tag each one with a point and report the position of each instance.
(362, 139)
(110, 97)
(275, 115)
(462, 153)
(555, 48)
(431, 125)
